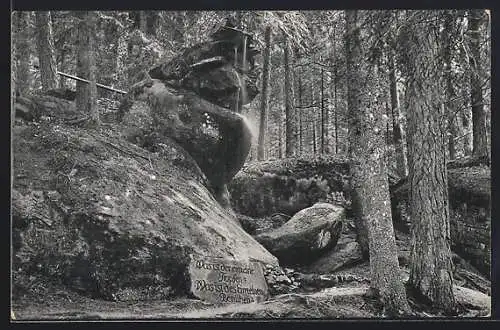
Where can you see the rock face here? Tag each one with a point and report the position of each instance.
(218, 139)
(112, 219)
(194, 99)
(306, 236)
(219, 71)
(286, 186)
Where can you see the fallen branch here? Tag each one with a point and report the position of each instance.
(88, 82)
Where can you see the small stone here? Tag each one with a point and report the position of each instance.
(283, 279)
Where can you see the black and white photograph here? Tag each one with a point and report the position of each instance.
(250, 165)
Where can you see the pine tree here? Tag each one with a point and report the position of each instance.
(370, 186)
(479, 137)
(23, 52)
(430, 266)
(291, 125)
(324, 116)
(46, 52)
(143, 21)
(265, 95)
(86, 94)
(399, 136)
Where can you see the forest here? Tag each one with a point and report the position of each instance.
(345, 154)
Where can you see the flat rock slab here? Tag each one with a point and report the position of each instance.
(221, 280)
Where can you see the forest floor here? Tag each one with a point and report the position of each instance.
(47, 301)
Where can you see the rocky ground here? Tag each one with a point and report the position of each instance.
(349, 299)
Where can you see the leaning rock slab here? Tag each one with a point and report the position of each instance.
(123, 220)
(306, 236)
(218, 139)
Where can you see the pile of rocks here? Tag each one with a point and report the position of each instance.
(281, 280)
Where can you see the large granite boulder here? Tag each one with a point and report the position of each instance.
(109, 218)
(306, 236)
(220, 70)
(287, 186)
(218, 139)
(195, 100)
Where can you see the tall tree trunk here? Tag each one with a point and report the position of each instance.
(153, 22)
(479, 137)
(266, 75)
(239, 19)
(430, 266)
(46, 52)
(121, 57)
(314, 137)
(61, 83)
(23, 52)
(291, 124)
(335, 81)
(388, 114)
(336, 112)
(324, 116)
(370, 187)
(86, 94)
(398, 132)
(450, 93)
(280, 136)
(300, 114)
(312, 117)
(143, 21)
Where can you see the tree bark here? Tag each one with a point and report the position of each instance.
(86, 94)
(397, 129)
(479, 137)
(153, 22)
(291, 125)
(23, 52)
(370, 187)
(13, 69)
(324, 116)
(300, 114)
(143, 21)
(46, 52)
(335, 81)
(312, 118)
(239, 19)
(266, 75)
(431, 265)
(121, 57)
(280, 137)
(450, 93)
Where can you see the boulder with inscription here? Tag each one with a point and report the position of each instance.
(306, 236)
(222, 280)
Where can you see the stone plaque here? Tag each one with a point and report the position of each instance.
(222, 280)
